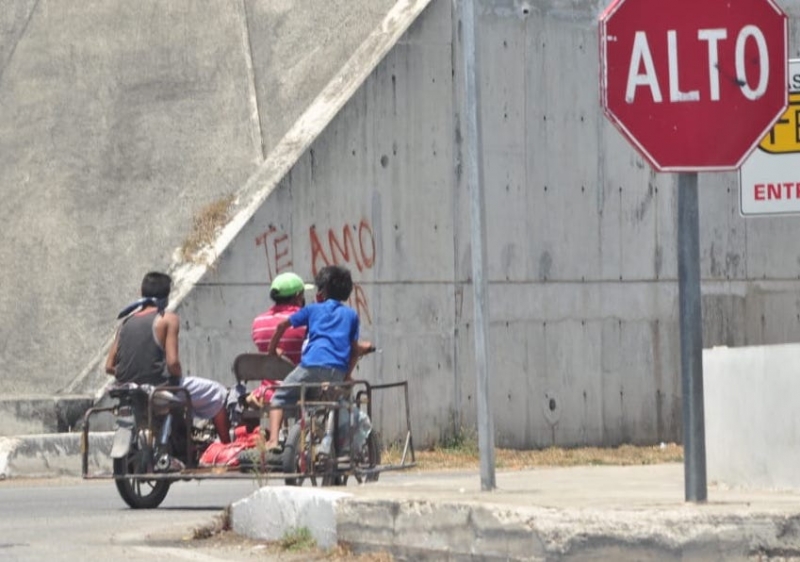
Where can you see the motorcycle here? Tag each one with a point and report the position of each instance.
(326, 438)
(156, 437)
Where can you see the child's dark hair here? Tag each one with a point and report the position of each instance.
(336, 281)
(156, 285)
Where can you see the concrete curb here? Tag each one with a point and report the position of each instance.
(423, 530)
(52, 455)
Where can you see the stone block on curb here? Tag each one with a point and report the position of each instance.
(272, 512)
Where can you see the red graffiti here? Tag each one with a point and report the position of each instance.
(277, 249)
(358, 300)
(282, 252)
(358, 252)
(355, 248)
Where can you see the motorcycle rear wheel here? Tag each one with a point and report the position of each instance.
(139, 494)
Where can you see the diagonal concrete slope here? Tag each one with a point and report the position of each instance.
(256, 191)
(118, 122)
(297, 47)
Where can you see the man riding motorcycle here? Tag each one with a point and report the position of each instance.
(145, 351)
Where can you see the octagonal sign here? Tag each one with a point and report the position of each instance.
(694, 85)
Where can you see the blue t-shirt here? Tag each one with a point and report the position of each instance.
(332, 328)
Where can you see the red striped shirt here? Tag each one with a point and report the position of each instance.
(264, 327)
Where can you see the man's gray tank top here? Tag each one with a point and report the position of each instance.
(140, 358)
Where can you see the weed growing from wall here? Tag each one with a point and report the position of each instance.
(206, 224)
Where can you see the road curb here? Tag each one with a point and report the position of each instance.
(53, 455)
(413, 529)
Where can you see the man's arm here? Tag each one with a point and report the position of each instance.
(276, 337)
(111, 359)
(170, 343)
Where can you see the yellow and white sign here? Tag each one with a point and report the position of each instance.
(769, 180)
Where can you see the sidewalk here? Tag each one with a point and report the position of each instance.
(580, 513)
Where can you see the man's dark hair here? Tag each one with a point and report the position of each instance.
(336, 281)
(156, 285)
(280, 300)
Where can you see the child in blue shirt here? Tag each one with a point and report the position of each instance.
(332, 347)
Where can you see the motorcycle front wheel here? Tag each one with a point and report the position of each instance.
(139, 494)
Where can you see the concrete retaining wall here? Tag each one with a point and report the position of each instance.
(27, 414)
(119, 122)
(581, 235)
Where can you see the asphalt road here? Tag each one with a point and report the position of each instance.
(72, 519)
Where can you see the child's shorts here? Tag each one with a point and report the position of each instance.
(287, 396)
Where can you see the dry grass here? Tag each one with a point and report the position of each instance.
(467, 456)
(294, 547)
(205, 226)
(343, 552)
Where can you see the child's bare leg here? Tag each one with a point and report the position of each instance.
(275, 419)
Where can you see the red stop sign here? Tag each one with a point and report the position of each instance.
(694, 84)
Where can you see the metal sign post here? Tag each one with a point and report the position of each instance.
(474, 174)
(667, 101)
(691, 336)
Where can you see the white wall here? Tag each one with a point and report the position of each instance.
(752, 421)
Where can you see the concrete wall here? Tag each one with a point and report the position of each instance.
(752, 421)
(581, 237)
(119, 122)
